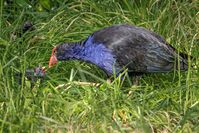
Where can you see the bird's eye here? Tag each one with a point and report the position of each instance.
(54, 50)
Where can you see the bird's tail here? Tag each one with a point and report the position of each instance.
(184, 61)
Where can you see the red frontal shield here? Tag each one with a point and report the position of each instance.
(53, 58)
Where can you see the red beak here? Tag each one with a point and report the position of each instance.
(53, 58)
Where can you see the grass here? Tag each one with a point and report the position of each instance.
(166, 102)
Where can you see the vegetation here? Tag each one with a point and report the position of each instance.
(166, 102)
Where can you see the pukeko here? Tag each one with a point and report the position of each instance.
(120, 47)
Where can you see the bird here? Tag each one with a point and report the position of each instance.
(123, 47)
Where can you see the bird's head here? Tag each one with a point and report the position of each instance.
(60, 52)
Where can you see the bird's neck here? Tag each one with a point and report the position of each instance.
(93, 52)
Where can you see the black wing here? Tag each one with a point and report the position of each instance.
(138, 49)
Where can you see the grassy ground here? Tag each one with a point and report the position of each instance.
(166, 102)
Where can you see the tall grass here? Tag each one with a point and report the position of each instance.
(161, 103)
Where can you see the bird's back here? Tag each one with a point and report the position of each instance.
(139, 49)
(122, 34)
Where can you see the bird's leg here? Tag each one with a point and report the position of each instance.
(136, 79)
